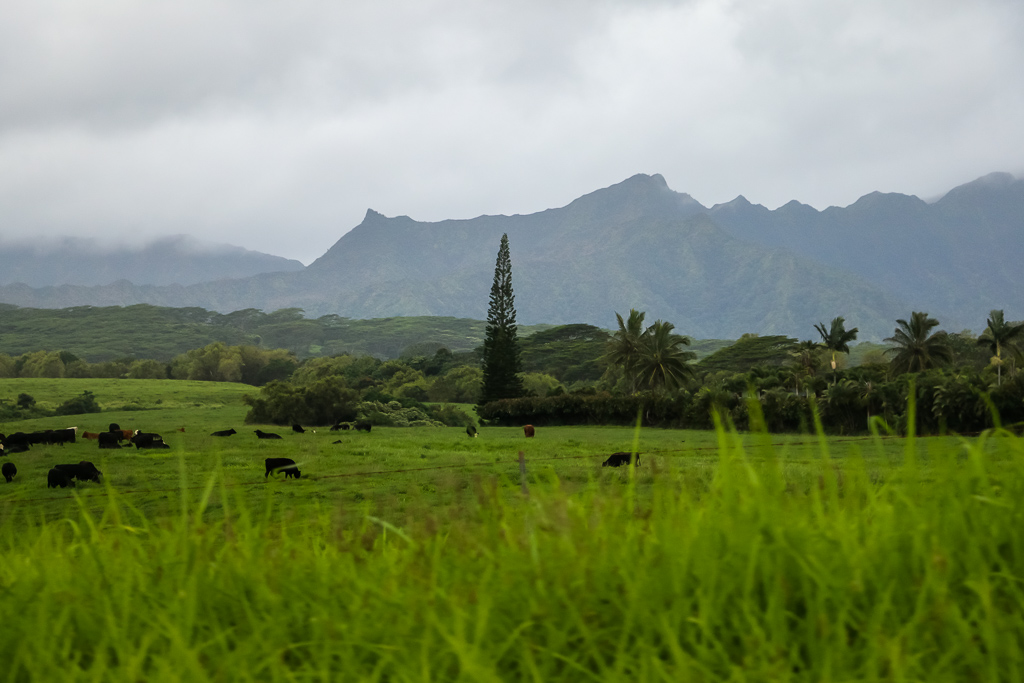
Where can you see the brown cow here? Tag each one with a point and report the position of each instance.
(528, 430)
(90, 435)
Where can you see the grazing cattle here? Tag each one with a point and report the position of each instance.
(267, 435)
(62, 436)
(90, 435)
(224, 432)
(83, 471)
(9, 470)
(56, 477)
(143, 440)
(128, 433)
(18, 442)
(619, 459)
(297, 428)
(471, 430)
(286, 465)
(363, 426)
(110, 440)
(528, 430)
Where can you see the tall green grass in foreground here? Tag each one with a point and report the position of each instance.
(746, 575)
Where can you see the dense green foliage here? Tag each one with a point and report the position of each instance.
(501, 354)
(100, 334)
(571, 353)
(749, 351)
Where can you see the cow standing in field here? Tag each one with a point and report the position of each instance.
(56, 477)
(83, 471)
(529, 431)
(363, 426)
(286, 465)
(111, 440)
(266, 435)
(471, 430)
(297, 428)
(621, 458)
(9, 470)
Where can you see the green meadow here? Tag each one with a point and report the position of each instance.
(414, 554)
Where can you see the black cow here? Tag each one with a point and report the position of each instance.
(9, 470)
(619, 459)
(114, 427)
(363, 426)
(17, 442)
(14, 448)
(110, 439)
(337, 442)
(286, 465)
(343, 426)
(267, 435)
(471, 430)
(297, 428)
(56, 477)
(143, 440)
(62, 436)
(83, 471)
(224, 432)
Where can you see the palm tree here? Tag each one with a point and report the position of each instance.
(662, 363)
(915, 348)
(999, 335)
(624, 347)
(836, 339)
(805, 358)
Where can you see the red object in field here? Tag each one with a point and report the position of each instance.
(528, 430)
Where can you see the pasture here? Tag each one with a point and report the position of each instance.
(411, 553)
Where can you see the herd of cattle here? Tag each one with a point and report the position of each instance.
(65, 475)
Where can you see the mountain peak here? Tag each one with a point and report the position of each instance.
(984, 186)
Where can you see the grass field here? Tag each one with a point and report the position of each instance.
(411, 554)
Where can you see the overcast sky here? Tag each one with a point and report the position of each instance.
(275, 125)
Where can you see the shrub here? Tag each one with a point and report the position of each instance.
(83, 403)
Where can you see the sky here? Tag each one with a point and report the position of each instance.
(276, 125)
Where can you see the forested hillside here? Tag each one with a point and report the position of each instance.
(98, 334)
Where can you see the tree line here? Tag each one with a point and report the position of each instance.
(958, 382)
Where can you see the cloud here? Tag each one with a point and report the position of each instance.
(276, 125)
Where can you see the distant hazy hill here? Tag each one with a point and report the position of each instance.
(715, 273)
(178, 260)
(957, 258)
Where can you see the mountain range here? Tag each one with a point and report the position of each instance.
(715, 272)
(178, 259)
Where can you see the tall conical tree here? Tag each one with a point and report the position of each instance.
(502, 364)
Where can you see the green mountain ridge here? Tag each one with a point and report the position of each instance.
(715, 272)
